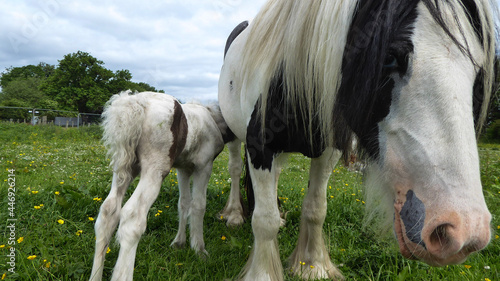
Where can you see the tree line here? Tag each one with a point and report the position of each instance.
(79, 82)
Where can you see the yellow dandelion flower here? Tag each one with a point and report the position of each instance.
(108, 250)
(57, 193)
(21, 239)
(61, 182)
(311, 266)
(37, 207)
(302, 263)
(167, 207)
(41, 205)
(34, 191)
(487, 279)
(160, 211)
(60, 221)
(467, 266)
(2, 246)
(32, 257)
(4, 275)
(47, 265)
(91, 219)
(79, 232)
(496, 236)
(98, 199)
(157, 214)
(223, 238)
(221, 217)
(357, 200)
(498, 227)
(331, 196)
(342, 250)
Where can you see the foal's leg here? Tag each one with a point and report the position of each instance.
(183, 207)
(134, 216)
(264, 262)
(106, 223)
(233, 211)
(201, 175)
(310, 259)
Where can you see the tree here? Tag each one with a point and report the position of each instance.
(21, 86)
(80, 82)
(23, 89)
(120, 81)
(41, 71)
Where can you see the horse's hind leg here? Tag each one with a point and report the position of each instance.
(183, 207)
(310, 259)
(106, 223)
(233, 211)
(133, 218)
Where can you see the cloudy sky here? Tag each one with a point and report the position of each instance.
(173, 45)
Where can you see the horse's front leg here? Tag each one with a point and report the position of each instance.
(233, 211)
(310, 259)
(264, 262)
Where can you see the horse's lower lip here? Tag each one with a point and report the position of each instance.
(398, 229)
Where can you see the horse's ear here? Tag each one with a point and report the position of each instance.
(236, 31)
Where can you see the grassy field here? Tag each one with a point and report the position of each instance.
(62, 177)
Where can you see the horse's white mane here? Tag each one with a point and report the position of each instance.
(304, 40)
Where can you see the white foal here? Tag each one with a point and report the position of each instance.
(147, 134)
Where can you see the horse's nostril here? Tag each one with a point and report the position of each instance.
(439, 238)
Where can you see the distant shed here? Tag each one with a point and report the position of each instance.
(68, 121)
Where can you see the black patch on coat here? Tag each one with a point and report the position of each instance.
(283, 131)
(413, 217)
(236, 31)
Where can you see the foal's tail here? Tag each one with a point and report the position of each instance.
(123, 117)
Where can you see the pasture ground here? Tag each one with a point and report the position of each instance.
(62, 177)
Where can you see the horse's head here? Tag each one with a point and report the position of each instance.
(427, 74)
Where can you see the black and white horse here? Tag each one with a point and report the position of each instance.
(410, 78)
(147, 134)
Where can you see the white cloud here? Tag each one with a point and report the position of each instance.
(176, 46)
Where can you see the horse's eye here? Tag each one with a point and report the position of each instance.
(391, 63)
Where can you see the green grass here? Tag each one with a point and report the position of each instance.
(72, 163)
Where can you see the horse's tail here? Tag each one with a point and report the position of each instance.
(247, 183)
(123, 117)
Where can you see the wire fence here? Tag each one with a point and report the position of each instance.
(41, 116)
